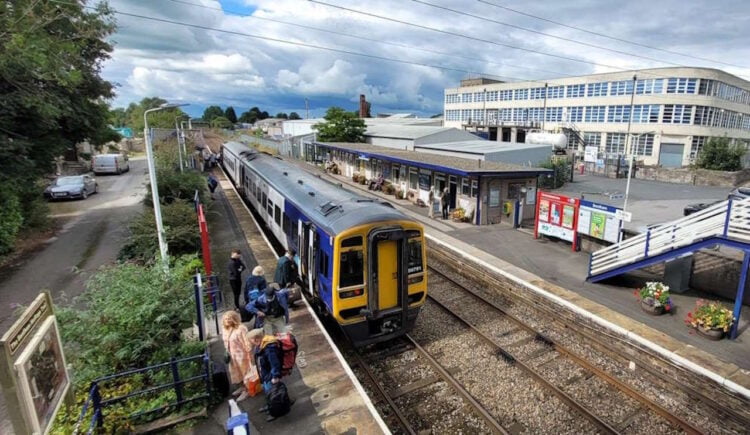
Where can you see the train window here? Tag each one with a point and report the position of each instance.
(351, 241)
(257, 192)
(270, 208)
(263, 202)
(415, 256)
(323, 263)
(287, 227)
(277, 215)
(351, 269)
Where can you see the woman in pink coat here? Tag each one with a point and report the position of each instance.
(238, 351)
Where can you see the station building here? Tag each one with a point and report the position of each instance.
(488, 192)
(674, 111)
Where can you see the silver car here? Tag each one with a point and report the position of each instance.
(77, 186)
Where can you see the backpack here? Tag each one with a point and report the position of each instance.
(287, 346)
(278, 400)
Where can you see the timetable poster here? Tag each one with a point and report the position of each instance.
(544, 210)
(555, 214)
(597, 225)
(568, 212)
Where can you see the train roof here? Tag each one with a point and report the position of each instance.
(329, 206)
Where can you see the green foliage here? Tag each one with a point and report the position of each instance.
(10, 220)
(159, 119)
(230, 115)
(51, 91)
(221, 122)
(340, 126)
(294, 115)
(212, 112)
(281, 115)
(561, 175)
(720, 155)
(180, 227)
(253, 115)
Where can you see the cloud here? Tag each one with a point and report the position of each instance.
(207, 67)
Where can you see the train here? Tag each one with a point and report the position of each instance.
(361, 261)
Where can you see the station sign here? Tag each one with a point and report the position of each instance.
(600, 221)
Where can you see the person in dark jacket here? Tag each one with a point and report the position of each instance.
(445, 201)
(234, 269)
(267, 360)
(286, 269)
(271, 310)
(255, 282)
(213, 183)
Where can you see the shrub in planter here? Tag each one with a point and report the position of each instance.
(362, 179)
(710, 319)
(654, 297)
(389, 189)
(355, 177)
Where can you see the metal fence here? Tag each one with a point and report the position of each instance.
(609, 165)
(287, 147)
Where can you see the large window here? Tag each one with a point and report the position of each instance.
(521, 94)
(413, 179)
(595, 113)
(465, 190)
(554, 114)
(575, 114)
(505, 95)
(474, 188)
(643, 145)
(575, 91)
(618, 114)
(592, 139)
(681, 86)
(556, 92)
(492, 96)
(697, 145)
(466, 97)
(624, 87)
(650, 86)
(537, 93)
(452, 115)
(646, 113)
(615, 143)
(677, 114)
(597, 89)
(452, 98)
(351, 268)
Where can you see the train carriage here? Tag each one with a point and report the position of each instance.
(361, 261)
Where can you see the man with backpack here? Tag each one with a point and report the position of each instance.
(286, 269)
(274, 358)
(271, 309)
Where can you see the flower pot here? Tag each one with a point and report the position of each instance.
(713, 334)
(649, 307)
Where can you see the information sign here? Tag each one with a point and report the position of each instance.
(600, 221)
(590, 153)
(557, 216)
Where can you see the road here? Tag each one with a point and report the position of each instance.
(91, 237)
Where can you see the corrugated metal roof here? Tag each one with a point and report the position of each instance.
(481, 146)
(435, 161)
(405, 131)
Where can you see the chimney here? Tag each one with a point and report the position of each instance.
(362, 106)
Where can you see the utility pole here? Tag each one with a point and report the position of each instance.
(628, 145)
(307, 109)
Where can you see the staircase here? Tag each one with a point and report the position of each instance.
(575, 137)
(726, 223)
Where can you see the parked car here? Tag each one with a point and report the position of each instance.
(694, 208)
(110, 164)
(77, 186)
(739, 193)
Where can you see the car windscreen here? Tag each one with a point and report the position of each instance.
(744, 190)
(68, 181)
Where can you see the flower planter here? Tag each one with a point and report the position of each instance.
(649, 307)
(713, 334)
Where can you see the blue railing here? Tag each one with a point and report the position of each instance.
(177, 383)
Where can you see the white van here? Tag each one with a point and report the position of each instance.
(110, 164)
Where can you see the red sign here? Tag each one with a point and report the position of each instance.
(556, 216)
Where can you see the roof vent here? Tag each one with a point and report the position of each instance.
(286, 173)
(328, 207)
(311, 193)
(300, 181)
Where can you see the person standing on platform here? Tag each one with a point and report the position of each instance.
(271, 310)
(255, 284)
(213, 183)
(431, 203)
(286, 269)
(268, 354)
(445, 202)
(238, 353)
(235, 268)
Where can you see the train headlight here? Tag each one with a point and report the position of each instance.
(416, 279)
(351, 293)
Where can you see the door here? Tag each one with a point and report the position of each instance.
(494, 202)
(387, 277)
(306, 257)
(670, 155)
(453, 186)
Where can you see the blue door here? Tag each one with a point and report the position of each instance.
(670, 155)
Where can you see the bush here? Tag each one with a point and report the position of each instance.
(720, 155)
(560, 176)
(389, 189)
(180, 226)
(11, 220)
(174, 185)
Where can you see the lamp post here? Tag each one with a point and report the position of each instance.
(630, 169)
(152, 179)
(180, 139)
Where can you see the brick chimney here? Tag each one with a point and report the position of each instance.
(362, 106)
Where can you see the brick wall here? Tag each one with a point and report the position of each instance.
(699, 177)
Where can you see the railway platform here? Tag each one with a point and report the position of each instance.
(550, 268)
(328, 398)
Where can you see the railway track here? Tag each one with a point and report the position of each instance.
(584, 388)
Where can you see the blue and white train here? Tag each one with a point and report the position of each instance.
(361, 261)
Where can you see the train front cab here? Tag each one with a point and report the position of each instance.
(380, 280)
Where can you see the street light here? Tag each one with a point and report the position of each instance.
(630, 167)
(180, 138)
(152, 179)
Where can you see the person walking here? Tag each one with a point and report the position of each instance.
(235, 268)
(286, 269)
(255, 284)
(445, 202)
(431, 203)
(238, 353)
(213, 183)
(267, 354)
(271, 310)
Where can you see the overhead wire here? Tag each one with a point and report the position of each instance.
(614, 38)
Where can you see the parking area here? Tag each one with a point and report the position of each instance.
(651, 202)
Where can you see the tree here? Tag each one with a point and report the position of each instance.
(118, 117)
(340, 126)
(247, 118)
(264, 115)
(720, 155)
(282, 115)
(230, 115)
(212, 112)
(220, 122)
(52, 94)
(294, 115)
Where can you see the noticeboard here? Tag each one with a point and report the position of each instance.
(599, 221)
(557, 216)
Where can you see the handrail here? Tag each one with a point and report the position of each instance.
(730, 219)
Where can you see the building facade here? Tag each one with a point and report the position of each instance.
(669, 112)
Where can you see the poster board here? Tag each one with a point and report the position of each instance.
(590, 154)
(557, 216)
(599, 221)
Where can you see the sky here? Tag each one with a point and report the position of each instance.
(247, 53)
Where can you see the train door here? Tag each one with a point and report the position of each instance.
(387, 275)
(306, 250)
(387, 295)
